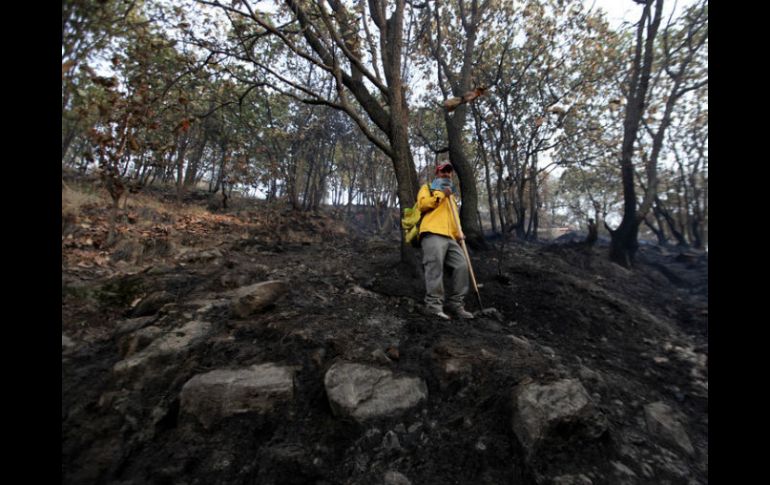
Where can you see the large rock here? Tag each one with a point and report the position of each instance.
(364, 392)
(662, 422)
(224, 392)
(544, 412)
(173, 342)
(254, 298)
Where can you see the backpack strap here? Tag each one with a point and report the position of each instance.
(422, 214)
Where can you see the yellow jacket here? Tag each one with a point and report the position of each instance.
(438, 218)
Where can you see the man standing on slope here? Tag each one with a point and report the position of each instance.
(439, 234)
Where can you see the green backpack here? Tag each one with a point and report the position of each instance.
(410, 223)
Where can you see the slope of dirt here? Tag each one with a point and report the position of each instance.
(563, 311)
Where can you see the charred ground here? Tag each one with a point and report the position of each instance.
(631, 337)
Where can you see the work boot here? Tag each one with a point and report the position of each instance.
(434, 312)
(461, 313)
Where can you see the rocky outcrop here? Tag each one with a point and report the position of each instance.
(539, 410)
(362, 392)
(226, 392)
(254, 298)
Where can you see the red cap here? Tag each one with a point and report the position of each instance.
(442, 166)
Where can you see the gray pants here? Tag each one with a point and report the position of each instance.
(436, 251)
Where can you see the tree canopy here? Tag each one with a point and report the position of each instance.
(331, 102)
